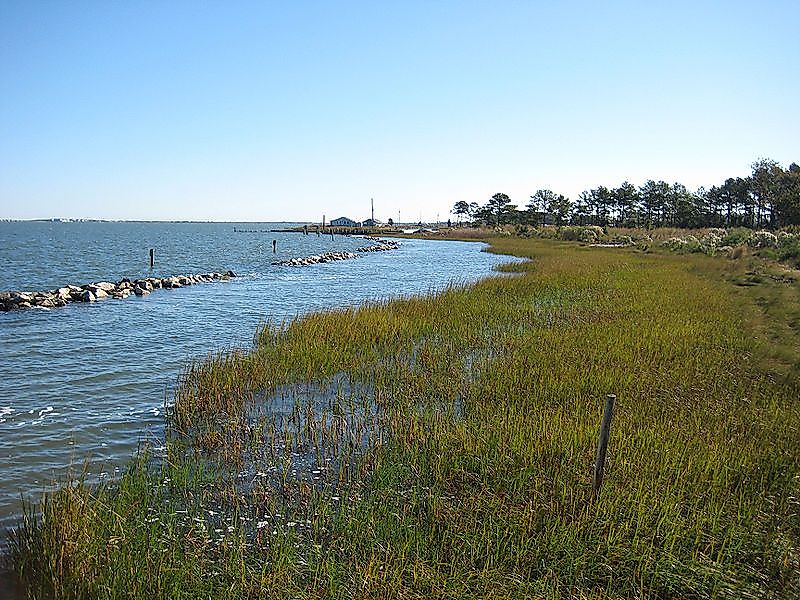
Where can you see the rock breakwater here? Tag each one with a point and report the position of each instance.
(316, 259)
(381, 246)
(92, 292)
(325, 257)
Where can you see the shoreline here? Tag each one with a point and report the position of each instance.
(129, 347)
(394, 330)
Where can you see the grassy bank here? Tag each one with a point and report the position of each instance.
(443, 447)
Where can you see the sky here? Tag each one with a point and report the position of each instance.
(288, 111)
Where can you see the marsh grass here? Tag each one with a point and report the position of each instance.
(443, 447)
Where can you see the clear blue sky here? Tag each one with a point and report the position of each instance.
(291, 110)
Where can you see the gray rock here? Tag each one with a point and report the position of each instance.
(105, 286)
(49, 302)
(92, 292)
(99, 293)
(20, 297)
(316, 259)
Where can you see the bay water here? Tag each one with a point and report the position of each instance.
(86, 383)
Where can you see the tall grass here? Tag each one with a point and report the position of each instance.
(443, 447)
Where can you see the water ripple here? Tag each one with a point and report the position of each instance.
(82, 385)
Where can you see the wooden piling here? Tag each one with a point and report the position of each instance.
(602, 444)
(152, 257)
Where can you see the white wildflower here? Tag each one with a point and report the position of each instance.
(763, 239)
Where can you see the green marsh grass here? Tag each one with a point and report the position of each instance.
(443, 447)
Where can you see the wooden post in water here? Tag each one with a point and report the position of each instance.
(274, 246)
(602, 444)
(152, 257)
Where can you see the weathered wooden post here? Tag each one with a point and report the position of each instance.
(274, 246)
(602, 444)
(152, 257)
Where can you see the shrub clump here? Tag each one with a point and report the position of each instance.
(716, 239)
(736, 237)
(674, 243)
(570, 234)
(588, 234)
(547, 232)
(713, 238)
(789, 247)
(625, 240)
(786, 238)
(763, 239)
(685, 244)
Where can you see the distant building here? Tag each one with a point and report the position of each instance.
(344, 222)
(372, 223)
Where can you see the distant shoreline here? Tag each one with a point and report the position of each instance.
(294, 226)
(60, 220)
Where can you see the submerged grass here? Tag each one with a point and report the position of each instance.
(443, 447)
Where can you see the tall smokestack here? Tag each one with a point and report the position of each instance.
(372, 202)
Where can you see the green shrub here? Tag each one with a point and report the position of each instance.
(737, 236)
(588, 234)
(547, 232)
(688, 244)
(624, 239)
(763, 239)
(571, 234)
(789, 250)
(768, 253)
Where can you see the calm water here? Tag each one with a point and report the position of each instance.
(90, 380)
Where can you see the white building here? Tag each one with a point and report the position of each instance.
(344, 222)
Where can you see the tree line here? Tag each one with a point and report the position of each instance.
(768, 198)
